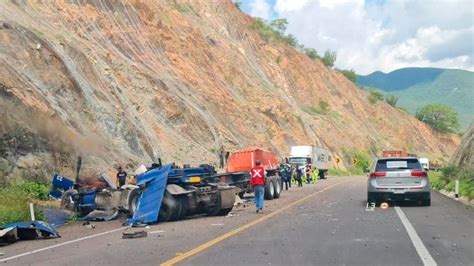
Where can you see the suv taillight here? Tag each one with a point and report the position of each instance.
(419, 173)
(377, 174)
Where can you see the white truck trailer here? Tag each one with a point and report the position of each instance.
(316, 157)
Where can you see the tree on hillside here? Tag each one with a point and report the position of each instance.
(311, 53)
(279, 25)
(391, 99)
(349, 74)
(439, 116)
(329, 58)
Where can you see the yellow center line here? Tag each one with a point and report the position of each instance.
(229, 234)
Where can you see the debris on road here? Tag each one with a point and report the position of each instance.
(134, 234)
(28, 230)
(99, 215)
(88, 225)
(217, 224)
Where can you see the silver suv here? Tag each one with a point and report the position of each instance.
(398, 179)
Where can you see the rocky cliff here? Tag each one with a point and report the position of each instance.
(127, 81)
(464, 154)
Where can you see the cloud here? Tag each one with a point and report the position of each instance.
(381, 35)
(260, 8)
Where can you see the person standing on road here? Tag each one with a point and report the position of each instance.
(257, 182)
(121, 177)
(285, 175)
(315, 175)
(308, 174)
(299, 176)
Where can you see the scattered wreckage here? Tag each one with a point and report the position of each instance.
(27, 230)
(162, 193)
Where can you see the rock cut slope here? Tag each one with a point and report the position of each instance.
(179, 79)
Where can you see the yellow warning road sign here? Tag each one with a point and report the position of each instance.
(338, 160)
(354, 161)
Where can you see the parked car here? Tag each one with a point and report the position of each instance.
(398, 179)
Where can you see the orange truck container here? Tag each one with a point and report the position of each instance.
(244, 160)
(238, 169)
(397, 154)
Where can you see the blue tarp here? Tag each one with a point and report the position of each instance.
(149, 203)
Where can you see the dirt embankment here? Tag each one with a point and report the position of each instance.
(178, 79)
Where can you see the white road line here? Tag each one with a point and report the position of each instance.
(61, 244)
(156, 232)
(416, 240)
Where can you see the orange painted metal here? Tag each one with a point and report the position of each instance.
(244, 160)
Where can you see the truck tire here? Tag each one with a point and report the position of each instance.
(181, 208)
(66, 201)
(224, 212)
(269, 190)
(167, 209)
(277, 186)
(214, 211)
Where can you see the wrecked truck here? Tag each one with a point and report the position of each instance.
(167, 191)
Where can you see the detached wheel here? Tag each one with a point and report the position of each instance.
(168, 208)
(67, 202)
(277, 186)
(269, 190)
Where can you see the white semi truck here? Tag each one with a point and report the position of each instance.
(316, 157)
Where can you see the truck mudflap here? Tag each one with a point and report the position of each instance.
(148, 206)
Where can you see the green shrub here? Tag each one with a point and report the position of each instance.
(311, 53)
(375, 96)
(329, 58)
(323, 106)
(446, 179)
(349, 74)
(391, 100)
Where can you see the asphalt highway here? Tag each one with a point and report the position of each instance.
(323, 224)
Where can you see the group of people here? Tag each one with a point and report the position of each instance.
(298, 174)
(287, 173)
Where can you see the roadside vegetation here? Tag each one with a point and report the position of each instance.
(14, 201)
(375, 96)
(359, 160)
(445, 180)
(439, 116)
(274, 31)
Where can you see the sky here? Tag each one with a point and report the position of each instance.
(379, 35)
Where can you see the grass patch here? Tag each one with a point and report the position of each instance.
(349, 172)
(14, 201)
(322, 108)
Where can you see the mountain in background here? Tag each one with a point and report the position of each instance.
(417, 87)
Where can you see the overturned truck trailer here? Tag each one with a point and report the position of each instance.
(162, 194)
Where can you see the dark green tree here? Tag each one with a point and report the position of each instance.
(439, 116)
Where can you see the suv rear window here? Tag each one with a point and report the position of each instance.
(396, 164)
